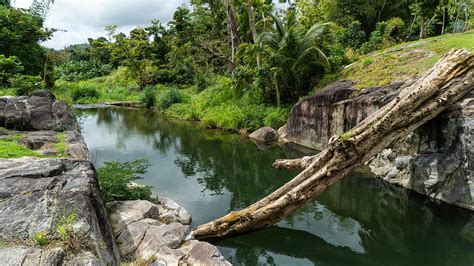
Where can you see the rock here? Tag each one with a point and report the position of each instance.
(156, 237)
(435, 160)
(76, 147)
(34, 191)
(124, 213)
(144, 229)
(40, 111)
(202, 253)
(264, 134)
(170, 212)
(36, 140)
(169, 256)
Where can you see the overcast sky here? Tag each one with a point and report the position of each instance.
(84, 19)
(87, 18)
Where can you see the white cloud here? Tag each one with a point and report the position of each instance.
(82, 19)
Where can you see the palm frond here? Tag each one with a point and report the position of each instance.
(278, 24)
(313, 34)
(269, 38)
(312, 55)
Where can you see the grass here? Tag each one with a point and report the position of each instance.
(404, 61)
(114, 87)
(10, 148)
(61, 145)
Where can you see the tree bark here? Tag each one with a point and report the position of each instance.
(234, 35)
(446, 83)
(253, 27)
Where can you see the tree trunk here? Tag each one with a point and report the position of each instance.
(253, 27)
(444, 21)
(446, 83)
(233, 31)
(423, 28)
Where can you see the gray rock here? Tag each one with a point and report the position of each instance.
(40, 111)
(170, 211)
(144, 229)
(264, 134)
(436, 160)
(124, 213)
(34, 191)
(202, 253)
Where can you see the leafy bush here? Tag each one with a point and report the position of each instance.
(25, 84)
(148, 97)
(115, 177)
(276, 117)
(168, 97)
(9, 67)
(201, 82)
(386, 33)
(84, 92)
(82, 70)
(353, 37)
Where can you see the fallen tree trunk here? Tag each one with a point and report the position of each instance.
(446, 83)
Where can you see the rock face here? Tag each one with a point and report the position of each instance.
(145, 230)
(35, 193)
(264, 134)
(40, 111)
(436, 160)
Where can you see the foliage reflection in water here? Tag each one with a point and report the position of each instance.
(359, 221)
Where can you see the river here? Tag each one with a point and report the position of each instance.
(359, 221)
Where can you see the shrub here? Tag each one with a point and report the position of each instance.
(84, 92)
(24, 84)
(115, 177)
(201, 82)
(148, 97)
(168, 97)
(82, 70)
(276, 117)
(9, 67)
(353, 36)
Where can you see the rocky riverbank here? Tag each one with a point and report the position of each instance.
(436, 160)
(51, 210)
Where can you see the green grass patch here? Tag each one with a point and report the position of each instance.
(114, 87)
(61, 145)
(404, 61)
(10, 148)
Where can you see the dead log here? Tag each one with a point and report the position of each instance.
(446, 83)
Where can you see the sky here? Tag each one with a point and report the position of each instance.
(83, 19)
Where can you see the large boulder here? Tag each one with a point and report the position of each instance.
(34, 192)
(435, 160)
(40, 111)
(264, 134)
(144, 230)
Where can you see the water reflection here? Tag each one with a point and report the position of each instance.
(359, 221)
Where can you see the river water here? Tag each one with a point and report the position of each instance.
(359, 221)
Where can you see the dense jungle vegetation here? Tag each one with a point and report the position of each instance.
(233, 64)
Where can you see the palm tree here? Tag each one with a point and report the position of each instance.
(297, 62)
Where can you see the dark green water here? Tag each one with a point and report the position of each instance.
(359, 221)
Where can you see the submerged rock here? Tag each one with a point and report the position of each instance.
(144, 229)
(436, 160)
(264, 134)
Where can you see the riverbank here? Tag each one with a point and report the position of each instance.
(52, 210)
(214, 103)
